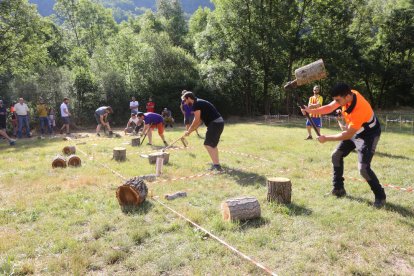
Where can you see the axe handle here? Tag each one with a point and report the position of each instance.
(170, 145)
(311, 121)
(145, 135)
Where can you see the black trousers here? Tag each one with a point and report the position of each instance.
(365, 148)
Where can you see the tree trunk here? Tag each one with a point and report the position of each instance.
(132, 193)
(279, 189)
(59, 162)
(152, 157)
(68, 150)
(119, 154)
(135, 142)
(240, 208)
(74, 161)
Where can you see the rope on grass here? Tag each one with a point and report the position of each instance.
(398, 188)
(246, 154)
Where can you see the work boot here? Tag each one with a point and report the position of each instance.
(338, 192)
(309, 137)
(379, 203)
(165, 143)
(12, 142)
(216, 167)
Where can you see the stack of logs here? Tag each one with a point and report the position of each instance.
(73, 160)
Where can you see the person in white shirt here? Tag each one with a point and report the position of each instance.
(132, 125)
(22, 112)
(133, 105)
(65, 114)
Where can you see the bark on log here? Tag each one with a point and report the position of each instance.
(132, 193)
(68, 150)
(240, 208)
(119, 154)
(59, 162)
(279, 189)
(175, 195)
(135, 142)
(74, 161)
(152, 157)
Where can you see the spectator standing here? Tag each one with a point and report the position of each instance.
(150, 105)
(3, 116)
(133, 105)
(65, 114)
(13, 119)
(314, 102)
(51, 118)
(43, 117)
(22, 112)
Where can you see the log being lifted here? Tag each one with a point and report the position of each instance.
(68, 150)
(132, 193)
(279, 189)
(152, 157)
(243, 208)
(135, 142)
(119, 154)
(74, 161)
(59, 162)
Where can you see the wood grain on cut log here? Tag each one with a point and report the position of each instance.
(68, 150)
(59, 162)
(243, 208)
(135, 142)
(279, 189)
(152, 157)
(132, 193)
(119, 154)
(74, 161)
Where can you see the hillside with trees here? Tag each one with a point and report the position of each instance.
(238, 55)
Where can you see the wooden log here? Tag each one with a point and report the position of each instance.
(59, 162)
(152, 157)
(135, 142)
(68, 150)
(175, 195)
(119, 154)
(243, 208)
(279, 189)
(74, 161)
(132, 193)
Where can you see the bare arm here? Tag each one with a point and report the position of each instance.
(325, 109)
(344, 135)
(196, 122)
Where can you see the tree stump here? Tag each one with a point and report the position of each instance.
(74, 161)
(243, 208)
(132, 193)
(68, 150)
(279, 189)
(135, 142)
(59, 162)
(119, 154)
(152, 157)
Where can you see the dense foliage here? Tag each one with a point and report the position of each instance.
(238, 55)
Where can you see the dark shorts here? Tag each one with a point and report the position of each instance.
(213, 134)
(317, 121)
(65, 120)
(189, 119)
(98, 118)
(2, 124)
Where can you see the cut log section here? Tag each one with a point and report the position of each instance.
(59, 162)
(279, 189)
(132, 193)
(135, 142)
(240, 208)
(119, 154)
(152, 157)
(74, 161)
(68, 150)
(175, 195)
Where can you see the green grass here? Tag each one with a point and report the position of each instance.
(68, 221)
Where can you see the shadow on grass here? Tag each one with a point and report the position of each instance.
(244, 178)
(388, 155)
(253, 223)
(405, 212)
(142, 209)
(291, 209)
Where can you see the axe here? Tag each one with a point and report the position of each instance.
(182, 139)
(145, 134)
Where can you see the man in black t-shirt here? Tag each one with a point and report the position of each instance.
(205, 112)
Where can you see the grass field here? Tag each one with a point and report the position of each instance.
(68, 221)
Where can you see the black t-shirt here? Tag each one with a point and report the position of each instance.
(208, 112)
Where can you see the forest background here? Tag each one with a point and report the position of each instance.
(237, 54)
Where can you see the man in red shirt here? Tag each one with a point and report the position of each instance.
(361, 132)
(150, 105)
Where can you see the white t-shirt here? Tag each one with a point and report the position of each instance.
(64, 107)
(134, 105)
(21, 109)
(134, 120)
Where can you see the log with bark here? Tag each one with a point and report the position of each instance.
(74, 161)
(119, 154)
(243, 208)
(279, 189)
(132, 193)
(59, 162)
(135, 142)
(68, 150)
(152, 157)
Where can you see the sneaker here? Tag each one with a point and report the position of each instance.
(338, 192)
(216, 167)
(165, 143)
(309, 138)
(12, 142)
(379, 203)
(97, 134)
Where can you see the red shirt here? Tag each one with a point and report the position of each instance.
(150, 107)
